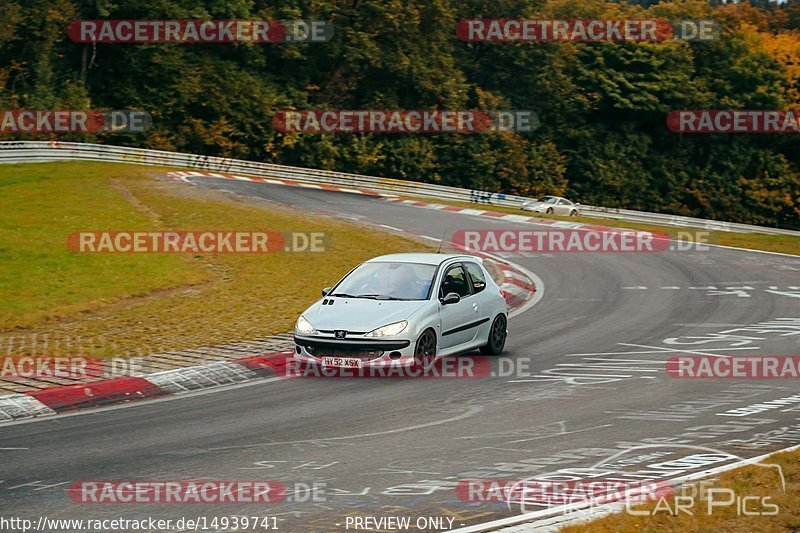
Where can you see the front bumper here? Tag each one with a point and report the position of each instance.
(533, 209)
(371, 351)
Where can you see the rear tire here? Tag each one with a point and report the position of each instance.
(497, 337)
(573, 213)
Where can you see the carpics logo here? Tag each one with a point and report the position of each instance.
(404, 121)
(200, 31)
(584, 30)
(196, 242)
(683, 461)
(72, 121)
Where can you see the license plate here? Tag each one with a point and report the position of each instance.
(341, 362)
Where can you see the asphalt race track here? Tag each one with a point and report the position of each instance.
(587, 381)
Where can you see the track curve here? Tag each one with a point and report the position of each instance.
(594, 383)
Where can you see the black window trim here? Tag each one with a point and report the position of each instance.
(469, 277)
(447, 268)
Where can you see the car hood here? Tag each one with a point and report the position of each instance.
(360, 314)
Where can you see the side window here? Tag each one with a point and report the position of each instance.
(455, 281)
(477, 276)
(562, 202)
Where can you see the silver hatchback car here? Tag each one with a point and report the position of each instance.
(397, 309)
(552, 205)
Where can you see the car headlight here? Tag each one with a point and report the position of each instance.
(389, 329)
(304, 326)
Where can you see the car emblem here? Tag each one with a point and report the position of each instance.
(339, 334)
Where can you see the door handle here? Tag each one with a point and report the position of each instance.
(475, 306)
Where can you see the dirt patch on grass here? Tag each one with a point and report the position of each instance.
(158, 302)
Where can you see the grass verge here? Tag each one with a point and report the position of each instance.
(759, 483)
(105, 304)
(752, 241)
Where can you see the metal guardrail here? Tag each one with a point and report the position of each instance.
(43, 151)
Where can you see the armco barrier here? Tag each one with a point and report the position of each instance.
(42, 151)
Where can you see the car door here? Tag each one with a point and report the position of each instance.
(477, 278)
(487, 302)
(562, 207)
(458, 319)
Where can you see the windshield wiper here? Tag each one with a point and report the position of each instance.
(379, 297)
(343, 295)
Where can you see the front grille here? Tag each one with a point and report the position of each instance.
(319, 344)
(349, 333)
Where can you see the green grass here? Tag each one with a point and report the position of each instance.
(140, 303)
(750, 481)
(40, 278)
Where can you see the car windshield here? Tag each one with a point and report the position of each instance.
(387, 281)
(549, 199)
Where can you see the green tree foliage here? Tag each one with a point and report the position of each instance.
(602, 106)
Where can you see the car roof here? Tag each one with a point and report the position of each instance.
(423, 258)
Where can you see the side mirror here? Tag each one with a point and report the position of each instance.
(325, 291)
(450, 298)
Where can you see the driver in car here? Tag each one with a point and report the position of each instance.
(400, 282)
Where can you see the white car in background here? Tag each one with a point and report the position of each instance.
(402, 309)
(552, 205)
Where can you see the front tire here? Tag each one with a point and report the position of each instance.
(549, 211)
(497, 337)
(425, 350)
